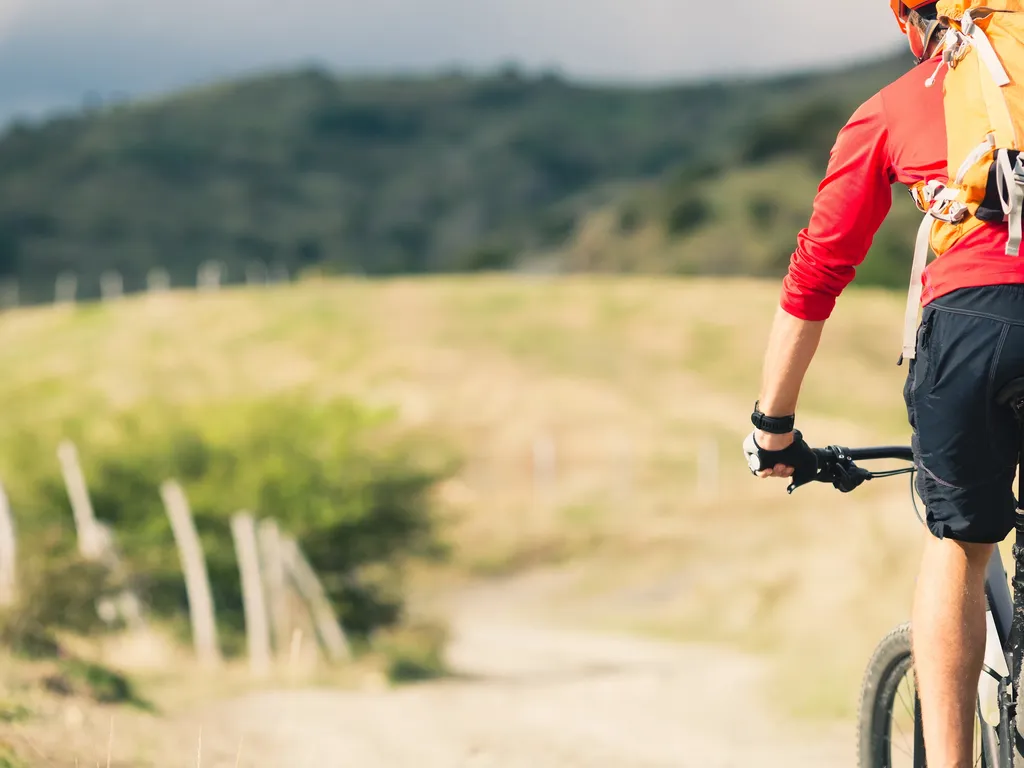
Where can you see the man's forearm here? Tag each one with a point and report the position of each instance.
(791, 346)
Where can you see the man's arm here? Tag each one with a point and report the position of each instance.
(791, 346)
(852, 202)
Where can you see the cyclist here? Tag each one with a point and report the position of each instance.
(970, 343)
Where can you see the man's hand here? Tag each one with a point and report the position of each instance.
(788, 457)
(769, 442)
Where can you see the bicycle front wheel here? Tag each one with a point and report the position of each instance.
(889, 730)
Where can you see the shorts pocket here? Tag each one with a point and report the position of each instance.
(920, 365)
(951, 400)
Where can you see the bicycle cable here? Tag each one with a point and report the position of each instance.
(893, 472)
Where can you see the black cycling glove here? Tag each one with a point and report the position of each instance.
(799, 456)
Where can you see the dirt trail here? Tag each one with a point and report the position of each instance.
(534, 696)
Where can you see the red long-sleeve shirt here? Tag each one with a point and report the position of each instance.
(898, 135)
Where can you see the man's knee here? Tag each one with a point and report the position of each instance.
(976, 554)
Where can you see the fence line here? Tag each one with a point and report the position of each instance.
(267, 561)
(210, 275)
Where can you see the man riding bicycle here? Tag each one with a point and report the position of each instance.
(969, 344)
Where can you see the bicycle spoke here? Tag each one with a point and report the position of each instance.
(906, 707)
(904, 750)
(902, 735)
(894, 721)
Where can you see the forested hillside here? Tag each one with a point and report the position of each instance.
(442, 173)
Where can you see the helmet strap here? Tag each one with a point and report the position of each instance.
(924, 35)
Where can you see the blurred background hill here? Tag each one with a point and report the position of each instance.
(305, 170)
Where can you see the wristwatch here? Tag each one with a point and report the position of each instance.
(773, 425)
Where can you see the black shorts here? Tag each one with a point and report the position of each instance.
(970, 344)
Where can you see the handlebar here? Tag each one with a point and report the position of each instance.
(836, 465)
(902, 452)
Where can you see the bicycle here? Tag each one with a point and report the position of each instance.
(881, 734)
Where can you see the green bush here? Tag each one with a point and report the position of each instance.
(77, 677)
(763, 210)
(337, 477)
(687, 213)
(416, 653)
(58, 591)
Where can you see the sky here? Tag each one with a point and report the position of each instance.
(54, 53)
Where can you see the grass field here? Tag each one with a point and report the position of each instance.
(626, 377)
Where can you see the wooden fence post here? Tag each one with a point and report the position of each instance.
(272, 561)
(95, 540)
(310, 588)
(243, 529)
(157, 280)
(210, 275)
(8, 553)
(9, 294)
(65, 289)
(111, 285)
(197, 581)
(89, 544)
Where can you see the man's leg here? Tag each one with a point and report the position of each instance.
(949, 646)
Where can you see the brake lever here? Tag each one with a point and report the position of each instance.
(849, 477)
(835, 467)
(823, 458)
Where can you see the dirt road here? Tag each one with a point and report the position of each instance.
(534, 696)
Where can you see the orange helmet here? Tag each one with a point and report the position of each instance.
(902, 8)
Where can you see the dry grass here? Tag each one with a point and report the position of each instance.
(185, 726)
(628, 377)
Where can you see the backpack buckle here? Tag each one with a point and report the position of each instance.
(948, 210)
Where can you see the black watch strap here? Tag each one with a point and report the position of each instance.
(773, 425)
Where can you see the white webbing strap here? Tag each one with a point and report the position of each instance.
(974, 158)
(916, 289)
(985, 50)
(1011, 198)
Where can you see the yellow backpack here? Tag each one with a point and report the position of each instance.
(983, 96)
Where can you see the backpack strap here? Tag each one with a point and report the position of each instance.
(916, 290)
(942, 206)
(986, 52)
(1010, 183)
